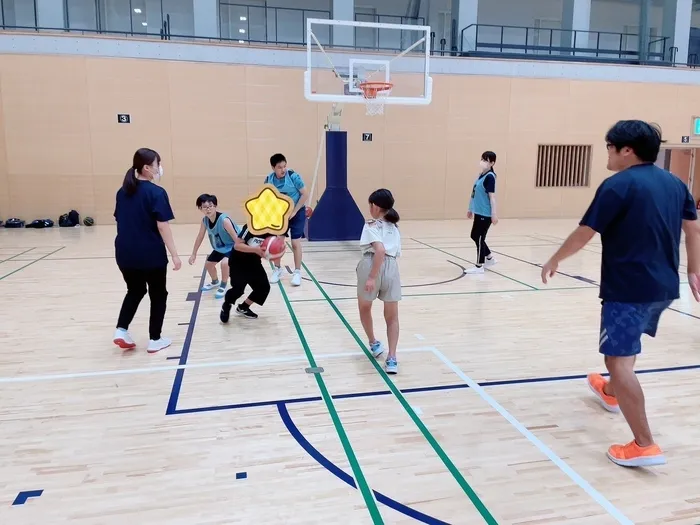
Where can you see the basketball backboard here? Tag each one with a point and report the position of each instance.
(387, 61)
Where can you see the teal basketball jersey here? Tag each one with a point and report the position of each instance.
(480, 203)
(219, 238)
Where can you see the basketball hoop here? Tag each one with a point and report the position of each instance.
(375, 93)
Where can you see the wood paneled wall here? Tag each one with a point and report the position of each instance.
(217, 125)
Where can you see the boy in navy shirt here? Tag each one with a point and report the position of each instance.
(639, 213)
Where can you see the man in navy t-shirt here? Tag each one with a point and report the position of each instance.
(639, 213)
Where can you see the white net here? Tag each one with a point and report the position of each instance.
(375, 95)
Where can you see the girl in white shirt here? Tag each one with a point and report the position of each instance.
(378, 273)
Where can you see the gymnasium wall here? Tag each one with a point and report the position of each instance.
(216, 126)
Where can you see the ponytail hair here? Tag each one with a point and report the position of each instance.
(383, 199)
(392, 216)
(142, 157)
(130, 182)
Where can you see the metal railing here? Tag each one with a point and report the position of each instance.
(268, 24)
(558, 44)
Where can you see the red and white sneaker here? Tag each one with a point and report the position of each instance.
(123, 340)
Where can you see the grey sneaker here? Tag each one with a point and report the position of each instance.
(376, 348)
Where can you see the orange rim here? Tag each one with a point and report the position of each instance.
(370, 89)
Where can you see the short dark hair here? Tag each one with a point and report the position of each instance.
(385, 200)
(276, 159)
(643, 138)
(204, 198)
(142, 157)
(489, 156)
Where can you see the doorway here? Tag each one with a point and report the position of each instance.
(682, 163)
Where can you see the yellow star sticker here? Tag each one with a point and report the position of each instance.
(269, 211)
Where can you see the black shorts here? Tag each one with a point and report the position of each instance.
(216, 257)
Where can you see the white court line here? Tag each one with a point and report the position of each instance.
(566, 469)
(264, 361)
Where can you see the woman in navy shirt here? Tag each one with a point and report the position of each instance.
(143, 233)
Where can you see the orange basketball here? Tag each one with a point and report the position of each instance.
(274, 247)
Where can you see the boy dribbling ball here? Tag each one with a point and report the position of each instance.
(222, 231)
(246, 261)
(378, 273)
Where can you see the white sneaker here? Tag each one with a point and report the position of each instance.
(157, 346)
(276, 275)
(123, 340)
(296, 278)
(490, 262)
(475, 270)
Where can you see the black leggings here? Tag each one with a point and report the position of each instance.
(248, 274)
(480, 228)
(136, 282)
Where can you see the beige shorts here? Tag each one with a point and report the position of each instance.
(388, 283)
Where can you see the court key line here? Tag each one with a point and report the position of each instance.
(367, 493)
(216, 364)
(17, 255)
(471, 262)
(593, 282)
(32, 262)
(344, 476)
(171, 409)
(563, 466)
(456, 474)
(447, 294)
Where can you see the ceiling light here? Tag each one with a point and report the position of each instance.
(144, 23)
(243, 19)
(241, 30)
(241, 41)
(137, 11)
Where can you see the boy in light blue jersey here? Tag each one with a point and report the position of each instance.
(290, 183)
(222, 231)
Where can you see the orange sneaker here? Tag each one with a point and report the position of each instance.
(596, 382)
(632, 455)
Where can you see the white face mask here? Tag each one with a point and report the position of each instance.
(159, 175)
(484, 165)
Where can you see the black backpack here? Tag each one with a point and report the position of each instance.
(69, 220)
(14, 223)
(40, 223)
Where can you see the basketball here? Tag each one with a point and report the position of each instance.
(274, 247)
(89, 221)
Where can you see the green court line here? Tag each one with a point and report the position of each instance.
(328, 400)
(478, 504)
(34, 261)
(472, 262)
(441, 294)
(18, 255)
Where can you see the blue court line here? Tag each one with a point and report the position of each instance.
(586, 280)
(378, 393)
(180, 374)
(23, 496)
(471, 262)
(344, 476)
(576, 277)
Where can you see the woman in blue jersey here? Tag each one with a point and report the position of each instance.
(482, 208)
(143, 212)
(222, 231)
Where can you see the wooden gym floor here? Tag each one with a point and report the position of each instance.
(488, 421)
